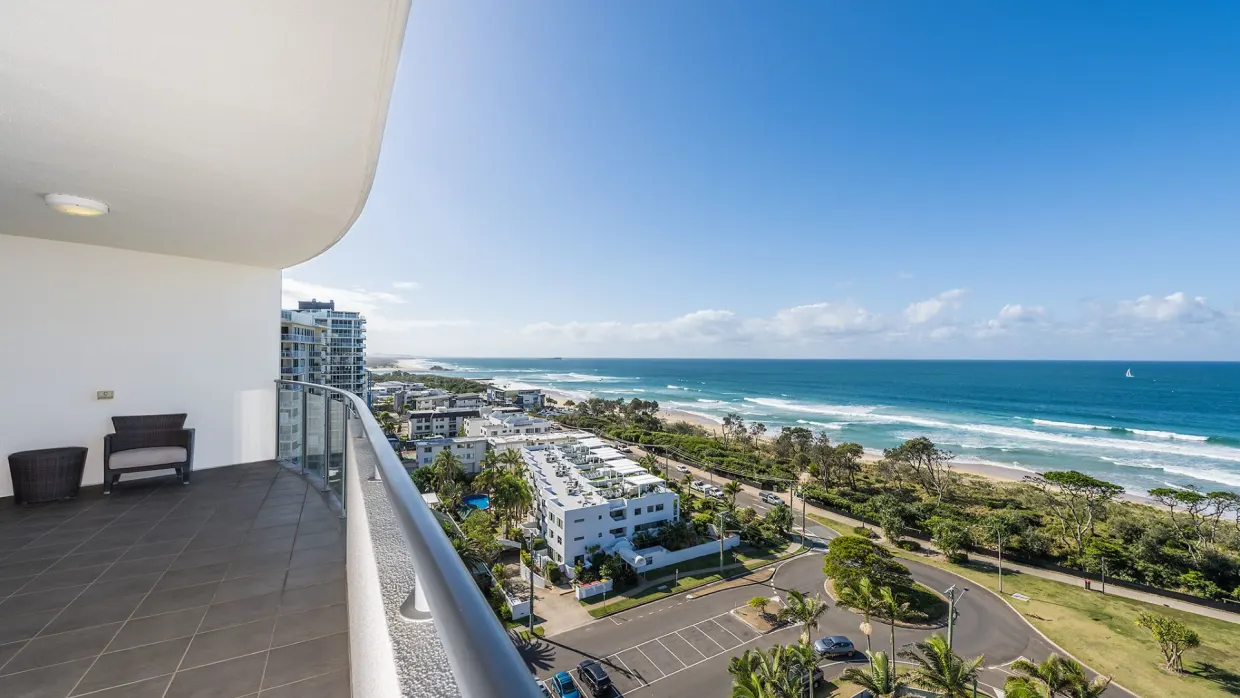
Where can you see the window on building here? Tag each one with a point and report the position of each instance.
(637, 511)
(658, 507)
(578, 520)
(579, 538)
(617, 531)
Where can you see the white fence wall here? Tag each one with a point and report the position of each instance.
(593, 589)
(538, 580)
(661, 559)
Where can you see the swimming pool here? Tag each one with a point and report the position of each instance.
(476, 501)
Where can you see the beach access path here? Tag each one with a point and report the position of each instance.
(750, 498)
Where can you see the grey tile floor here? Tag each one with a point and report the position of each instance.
(230, 587)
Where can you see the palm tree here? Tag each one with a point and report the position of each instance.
(940, 670)
(474, 553)
(1045, 679)
(513, 462)
(879, 679)
(447, 468)
(1079, 685)
(732, 489)
(862, 597)
(512, 498)
(896, 610)
(450, 494)
(804, 609)
(649, 462)
(486, 479)
(490, 460)
(1056, 676)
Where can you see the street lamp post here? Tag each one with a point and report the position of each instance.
(952, 598)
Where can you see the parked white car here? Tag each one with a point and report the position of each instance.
(699, 486)
(770, 498)
(712, 491)
(682, 468)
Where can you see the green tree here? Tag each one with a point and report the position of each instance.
(896, 610)
(880, 679)
(937, 668)
(851, 558)
(650, 462)
(512, 498)
(1174, 638)
(1037, 680)
(861, 596)
(951, 536)
(450, 495)
(1195, 516)
(929, 464)
(807, 610)
(474, 553)
(1079, 685)
(447, 469)
(759, 603)
(780, 518)
(730, 491)
(1076, 501)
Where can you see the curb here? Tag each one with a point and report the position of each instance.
(711, 584)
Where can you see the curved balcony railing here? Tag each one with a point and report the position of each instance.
(483, 660)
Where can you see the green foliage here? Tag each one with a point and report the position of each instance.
(432, 380)
(779, 518)
(852, 558)
(951, 537)
(880, 679)
(1174, 638)
(759, 603)
(423, 478)
(864, 532)
(807, 610)
(937, 668)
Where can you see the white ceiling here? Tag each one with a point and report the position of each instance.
(244, 131)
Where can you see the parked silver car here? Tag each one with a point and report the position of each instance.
(834, 646)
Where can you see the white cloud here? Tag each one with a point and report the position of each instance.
(406, 285)
(1011, 316)
(823, 319)
(803, 323)
(359, 299)
(936, 308)
(1177, 307)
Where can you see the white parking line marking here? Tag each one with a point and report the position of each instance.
(691, 644)
(708, 637)
(627, 670)
(669, 651)
(656, 666)
(712, 620)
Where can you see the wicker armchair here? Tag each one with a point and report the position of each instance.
(147, 442)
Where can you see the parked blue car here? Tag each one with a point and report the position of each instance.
(564, 685)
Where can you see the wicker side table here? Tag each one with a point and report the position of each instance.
(48, 474)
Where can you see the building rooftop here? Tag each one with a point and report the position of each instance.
(575, 478)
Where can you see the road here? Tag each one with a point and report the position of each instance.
(680, 645)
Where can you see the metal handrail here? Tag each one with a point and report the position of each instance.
(482, 656)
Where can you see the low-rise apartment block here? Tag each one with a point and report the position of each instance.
(583, 500)
(469, 450)
(523, 396)
(506, 424)
(444, 422)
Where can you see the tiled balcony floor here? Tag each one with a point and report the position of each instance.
(231, 586)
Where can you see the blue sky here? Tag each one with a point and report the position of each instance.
(887, 179)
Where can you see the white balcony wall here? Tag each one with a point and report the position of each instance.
(167, 334)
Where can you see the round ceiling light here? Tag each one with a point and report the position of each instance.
(76, 205)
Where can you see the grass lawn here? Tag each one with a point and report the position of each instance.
(1098, 629)
(692, 574)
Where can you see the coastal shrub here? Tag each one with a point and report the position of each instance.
(912, 546)
(553, 574)
(849, 559)
(702, 522)
(864, 532)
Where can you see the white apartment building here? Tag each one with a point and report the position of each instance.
(469, 450)
(445, 422)
(344, 338)
(524, 396)
(583, 500)
(301, 359)
(442, 399)
(506, 424)
(499, 444)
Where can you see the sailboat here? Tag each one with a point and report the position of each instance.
(1128, 374)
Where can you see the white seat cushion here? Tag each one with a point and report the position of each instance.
(141, 457)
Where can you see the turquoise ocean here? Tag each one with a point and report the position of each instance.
(1173, 424)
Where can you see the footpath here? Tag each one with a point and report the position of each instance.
(1023, 569)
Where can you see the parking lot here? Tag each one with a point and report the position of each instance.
(637, 667)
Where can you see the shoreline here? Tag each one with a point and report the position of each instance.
(986, 471)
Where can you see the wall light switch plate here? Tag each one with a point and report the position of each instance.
(104, 395)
